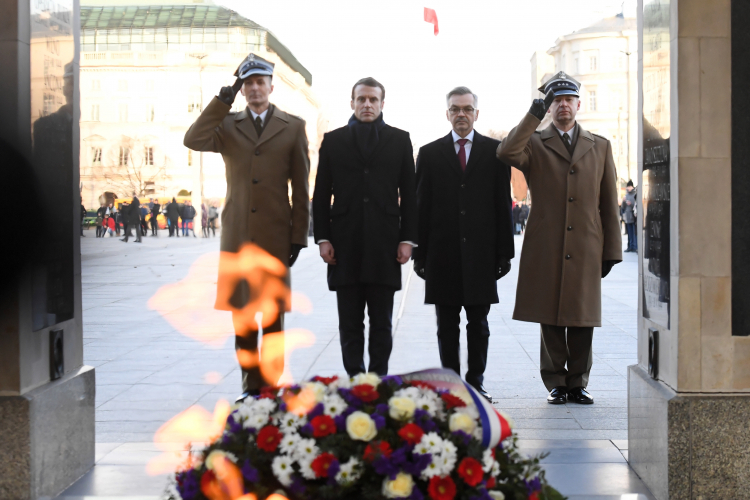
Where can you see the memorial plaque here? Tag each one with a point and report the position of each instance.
(655, 185)
(53, 120)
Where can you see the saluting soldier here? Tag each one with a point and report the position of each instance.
(573, 236)
(264, 149)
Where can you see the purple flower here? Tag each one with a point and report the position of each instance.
(226, 438)
(379, 421)
(188, 484)
(382, 409)
(422, 419)
(351, 400)
(393, 378)
(306, 430)
(316, 411)
(282, 407)
(340, 421)
(463, 436)
(234, 426)
(333, 469)
(533, 485)
(249, 472)
(298, 485)
(418, 464)
(483, 495)
(416, 494)
(385, 467)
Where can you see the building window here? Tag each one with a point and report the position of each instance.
(593, 63)
(190, 158)
(122, 85)
(150, 112)
(123, 112)
(124, 156)
(149, 155)
(96, 84)
(592, 100)
(194, 104)
(94, 112)
(96, 156)
(150, 187)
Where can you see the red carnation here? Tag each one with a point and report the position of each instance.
(411, 433)
(452, 401)
(441, 488)
(374, 450)
(365, 392)
(491, 483)
(534, 496)
(269, 438)
(268, 392)
(323, 425)
(470, 471)
(322, 463)
(326, 380)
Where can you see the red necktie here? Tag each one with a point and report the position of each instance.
(462, 152)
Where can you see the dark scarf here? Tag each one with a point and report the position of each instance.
(366, 135)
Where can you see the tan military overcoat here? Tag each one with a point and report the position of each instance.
(258, 171)
(573, 225)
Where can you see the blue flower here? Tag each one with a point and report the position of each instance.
(464, 437)
(249, 472)
(379, 421)
(298, 485)
(188, 484)
(316, 411)
(382, 409)
(393, 378)
(533, 485)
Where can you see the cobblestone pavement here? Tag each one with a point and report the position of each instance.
(159, 348)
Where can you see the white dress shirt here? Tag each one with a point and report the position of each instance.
(467, 146)
(262, 115)
(570, 132)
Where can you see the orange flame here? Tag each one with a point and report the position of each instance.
(300, 404)
(275, 345)
(194, 425)
(225, 483)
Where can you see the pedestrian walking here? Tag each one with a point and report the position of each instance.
(188, 214)
(155, 211)
(572, 241)
(173, 214)
(133, 219)
(465, 233)
(517, 219)
(366, 236)
(524, 215)
(144, 222)
(213, 216)
(264, 150)
(204, 220)
(627, 211)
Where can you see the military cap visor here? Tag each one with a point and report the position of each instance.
(254, 65)
(561, 84)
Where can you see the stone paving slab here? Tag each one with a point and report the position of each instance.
(151, 365)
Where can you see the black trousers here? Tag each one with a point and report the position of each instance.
(137, 229)
(351, 302)
(563, 346)
(477, 339)
(247, 339)
(154, 226)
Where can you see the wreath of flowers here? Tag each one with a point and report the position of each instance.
(363, 438)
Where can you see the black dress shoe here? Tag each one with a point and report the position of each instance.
(247, 394)
(557, 395)
(580, 396)
(482, 391)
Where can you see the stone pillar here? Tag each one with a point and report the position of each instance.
(689, 394)
(46, 394)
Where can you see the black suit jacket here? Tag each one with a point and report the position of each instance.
(134, 215)
(465, 221)
(367, 222)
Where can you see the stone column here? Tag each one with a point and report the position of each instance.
(689, 394)
(46, 394)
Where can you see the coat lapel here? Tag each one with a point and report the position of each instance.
(278, 122)
(384, 136)
(477, 150)
(584, 144)
(449, 151)
(551, 139)
(245, 125)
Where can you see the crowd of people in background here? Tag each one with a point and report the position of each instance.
(520, 216)
(113, 221)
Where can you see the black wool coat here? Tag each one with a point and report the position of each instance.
(366, 222)
(465, 221)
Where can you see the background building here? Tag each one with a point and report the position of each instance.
(604, 58)
(147, 71)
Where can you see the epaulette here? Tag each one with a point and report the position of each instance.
(601, 136)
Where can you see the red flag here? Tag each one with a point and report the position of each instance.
(430, 16)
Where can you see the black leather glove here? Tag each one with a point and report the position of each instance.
(539, 107)
(607, 266)
(503, 268)
(227, 94)
(294, 253)
(419, 268)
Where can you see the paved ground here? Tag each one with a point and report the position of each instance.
(159, 348)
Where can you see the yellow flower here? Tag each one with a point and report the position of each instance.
(316, 389)
(360, 426)
(398, 488)
(401, 408)
(366, 378)
(462, 422)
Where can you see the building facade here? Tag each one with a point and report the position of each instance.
(146, 74)
(604, 58)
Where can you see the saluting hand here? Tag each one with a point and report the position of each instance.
(404, 253)
(326, 252)
(227, 94)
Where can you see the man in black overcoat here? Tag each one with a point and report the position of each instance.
(134, 220)
(465, 233)
(365, 237)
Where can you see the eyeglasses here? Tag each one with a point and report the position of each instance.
(454, 110)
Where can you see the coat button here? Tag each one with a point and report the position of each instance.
(570, 228)
(366, 200)
(255, 181)
(463, 186)
(572, 171)
(367, 170)
(252, 210)
(570, 199)
(567, 257)
(464, 240)
(463, 212)
(257, 152)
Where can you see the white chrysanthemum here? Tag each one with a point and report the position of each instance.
(282, 469)
(306, 449)
(448, 449)
(422, 448)
(495, 469)
(334, 405)
(291, 422)
(340, 383)
(317, 389)
(447, 462)
(305, 468)
(408, 392)
(433, 469)
(265, 405)
(427, 404)
(256, 421)
(433, 442)
(349, 472)
(371, 379)
(487, 460)
(217, 455)
(289, 443)
(478, 433)
(470, 410)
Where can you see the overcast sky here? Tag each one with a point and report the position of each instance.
(483, 44)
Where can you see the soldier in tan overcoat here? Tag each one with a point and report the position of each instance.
(264, 149)
(572, 239)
